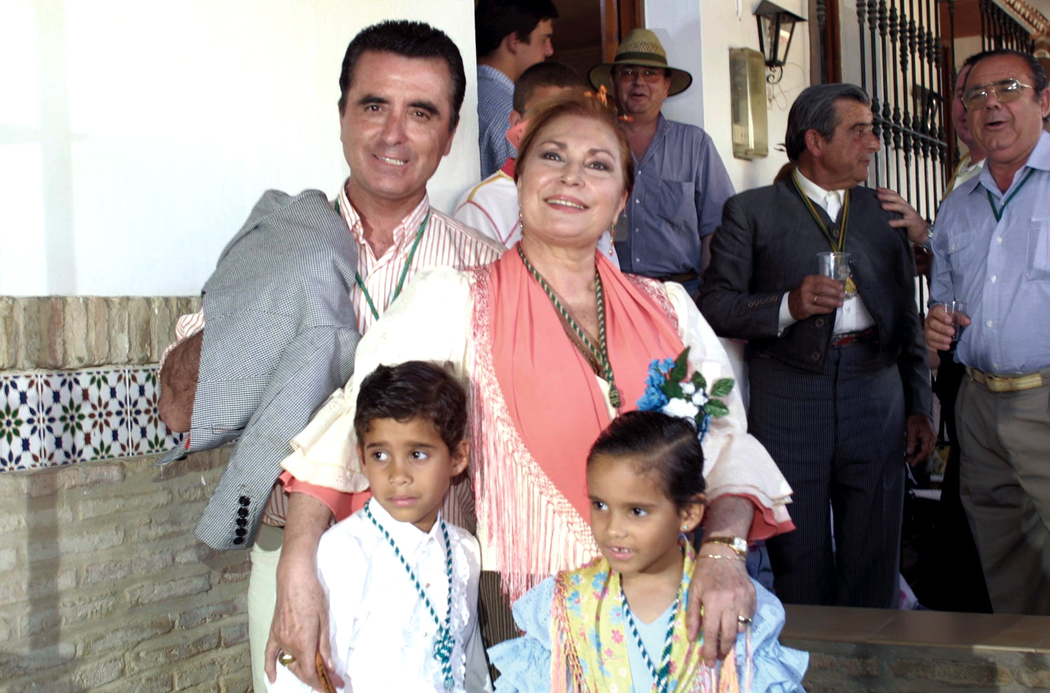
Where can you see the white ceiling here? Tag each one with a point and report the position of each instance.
(1041, 5)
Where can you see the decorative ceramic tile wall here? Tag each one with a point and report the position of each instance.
(55, 418)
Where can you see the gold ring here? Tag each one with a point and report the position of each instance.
(745, 621)
(285, 659)
(701, 611)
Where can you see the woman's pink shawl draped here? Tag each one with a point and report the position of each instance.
(538, 408)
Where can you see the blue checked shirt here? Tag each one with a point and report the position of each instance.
(495, 101)
(680, 188)
(1000, 269)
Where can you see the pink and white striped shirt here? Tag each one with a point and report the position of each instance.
(445, 242)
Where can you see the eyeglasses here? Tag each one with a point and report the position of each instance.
(1006, 91)
(648, 74)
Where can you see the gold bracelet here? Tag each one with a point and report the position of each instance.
(719, 555)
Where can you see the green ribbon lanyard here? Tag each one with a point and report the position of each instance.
(404, 270)
(843, 216)
(991, 200)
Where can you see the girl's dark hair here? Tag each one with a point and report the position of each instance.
(662, 445)
(409, 390)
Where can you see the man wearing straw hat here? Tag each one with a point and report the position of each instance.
(681, 183)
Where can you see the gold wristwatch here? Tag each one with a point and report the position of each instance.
(738, 544)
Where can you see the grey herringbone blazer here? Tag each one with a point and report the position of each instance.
(280, 336)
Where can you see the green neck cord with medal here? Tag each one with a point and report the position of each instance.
(404, 270)
(443, 640)
(836, 245)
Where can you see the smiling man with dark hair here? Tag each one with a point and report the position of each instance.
(282, 315)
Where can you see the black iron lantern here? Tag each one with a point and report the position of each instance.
(776, 26)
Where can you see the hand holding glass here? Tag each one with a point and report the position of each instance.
(836, 266)
(953, 309)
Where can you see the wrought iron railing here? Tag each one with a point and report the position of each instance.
(902, 67)
(1000, 30)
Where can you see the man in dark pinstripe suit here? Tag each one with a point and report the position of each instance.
(840, 388)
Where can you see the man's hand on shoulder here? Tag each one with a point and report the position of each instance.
(721, 593)
(910, 220)
(178, 384)
(816, 295)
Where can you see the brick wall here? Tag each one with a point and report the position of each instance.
(103, 586)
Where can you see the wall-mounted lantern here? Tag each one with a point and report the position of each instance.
(776, 26)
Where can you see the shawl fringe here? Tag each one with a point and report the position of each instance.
(532, 529)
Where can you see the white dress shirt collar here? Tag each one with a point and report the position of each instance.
(406, 535)
(818, 194)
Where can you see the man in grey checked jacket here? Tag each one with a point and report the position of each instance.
(280, 323)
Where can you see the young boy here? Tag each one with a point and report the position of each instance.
(402, 584)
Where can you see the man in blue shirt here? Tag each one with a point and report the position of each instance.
(681, 183)
(991, 250)
(511, 36)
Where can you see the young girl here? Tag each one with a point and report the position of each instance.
(618, 623)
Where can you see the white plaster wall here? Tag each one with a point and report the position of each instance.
(698, 35)
(135, 135)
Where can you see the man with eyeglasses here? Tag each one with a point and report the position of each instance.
(681, 183)
(991, 251)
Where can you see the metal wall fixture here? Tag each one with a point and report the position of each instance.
(776, 27)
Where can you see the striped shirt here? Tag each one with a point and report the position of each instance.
(445, 242)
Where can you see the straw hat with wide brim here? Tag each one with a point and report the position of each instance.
(640, 47)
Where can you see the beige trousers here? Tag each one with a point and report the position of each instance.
(1005, 486)
(262, 595)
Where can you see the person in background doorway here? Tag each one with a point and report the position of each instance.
(511, 36)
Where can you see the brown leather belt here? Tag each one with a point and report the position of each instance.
(868, 336)
(679, 278)
(1017, 383)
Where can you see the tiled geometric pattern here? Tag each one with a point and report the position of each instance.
(54, 418)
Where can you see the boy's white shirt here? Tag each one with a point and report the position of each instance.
(381, 631)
